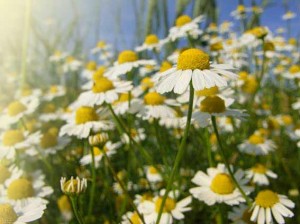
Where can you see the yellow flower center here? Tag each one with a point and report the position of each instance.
(26, 91)
(64, 204)
(101, 44)
(124, 97)
(12, 137)
(71, 186)
(133, 133)
(222, 184)
(102, 85)
(212, 104)
(294, 69)
(49, 108)
(266, 198)
(91, 66)
(135, 219)
(146, 83)
(57, 53)
(193, 59)
(170, 204)
(19, 189)
(208, 91)
(293, 41)
(127, 56)
(182, 20)
(269, 46)
(241, 8)
(216, 46)
(97, 151)
(70, 59)
(153, 170)
(48, 140)
(259, 168)
(99, 73)
(4, 174)
(243, 75)
(85, 114)
(165, 65)
(256, 139)
(287, 119)
(213, 139)
(7, 214)
(147, 197)
(250, 85)
(151, 39)
(15, 108)
(53, 89)
(259, 32)
(153, 98)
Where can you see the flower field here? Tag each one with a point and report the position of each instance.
(195, 121)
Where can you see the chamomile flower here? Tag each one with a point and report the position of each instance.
(131, 217)
(240, 214)
(15, 139)
(127, 60)
(53, 92)
(152, 42)
(12, 214)
(98, 74)
(193, 66)
(8, 173)
(257, 144)
(27, 189)
(239, 12)
(137, 135)
(172, 209)
(293, 72)
(289, 15)
(26, 94)
(259, 174)
(101, 46)
(84, 121)
(153, 175)
(185, 26)
(16, 111)
(71, 64)
(124, 104)
(215, 106)
(155, 106)
(268, 205)
(109, 148)
(104, 91)
(89, 69)
(58, 56)
(218, 187)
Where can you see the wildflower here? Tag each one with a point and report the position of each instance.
(267, 204)
(289, 15)
(259, 174)
(73, 187)
(217, 186)
(152, 42)
(193, 65)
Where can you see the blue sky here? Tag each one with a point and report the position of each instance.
(103, 20)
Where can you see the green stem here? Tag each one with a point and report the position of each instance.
(180, 153)
(74, 202)
(122, 186)
(93, 187)
(222, 151)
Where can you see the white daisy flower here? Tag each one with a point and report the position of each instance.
(16, 110)
(8, 173)
(269, 205)
(259, 174)
(71, 64)
(110, 149)
(104, 91)
(50, 143)
(152, 42)
(215, 106)
(58, 56)
(292, 73)
(256, 144)
(89, 70)
(137, 135)
(218, 187)
(239, 12)
(131, 217)
(193, 66)
(289, 15)
(240, 214)
(12, 214)
(185, 26)
(98, 74)
(101, 46)
(15, 139)
(127, 60)
(153, 175)
(26, 94)
(24, 190)
(53, 92)
(172, 209)
(155, 106)
(122, 105)
(85, 120)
